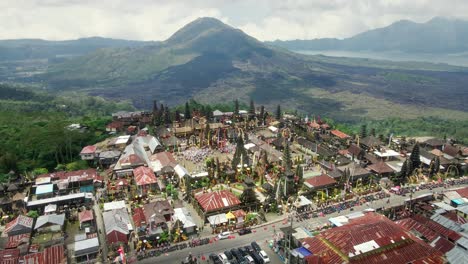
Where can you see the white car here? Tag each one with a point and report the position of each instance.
(264, 256)
(224, 235)
(249, 259)
(223, 258)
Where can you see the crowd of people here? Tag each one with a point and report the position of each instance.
(197, 155)
(446, 184)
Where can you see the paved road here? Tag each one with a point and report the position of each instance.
(100, 227)
(263, 233)
(260, 236)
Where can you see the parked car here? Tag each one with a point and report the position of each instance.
(249, 248)
(215, 259)
(228, 255)
(250, 259)
(235, 252)
(224, 235)
(264, 256)
(223, 258)
(255, 246)
(257, 258)
(245, 231)
(243, 251)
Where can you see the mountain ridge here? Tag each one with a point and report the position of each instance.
(437, 35)
(211, 61)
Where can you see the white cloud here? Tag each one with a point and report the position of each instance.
(263, 19)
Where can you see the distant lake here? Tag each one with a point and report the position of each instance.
(459, 59)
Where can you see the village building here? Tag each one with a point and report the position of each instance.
(217, 202)
(20, 225)
(117, 226)
(144, 179)
(189, 225)
(86, 250)
(50, 255)
(369, 239)
(50, 223)
(88, 153)
(320, 183)
(86, 219)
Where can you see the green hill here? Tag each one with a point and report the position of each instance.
(213, 62)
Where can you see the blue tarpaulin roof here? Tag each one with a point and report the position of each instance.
(303, 251)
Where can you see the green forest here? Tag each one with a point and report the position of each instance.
(35, 133)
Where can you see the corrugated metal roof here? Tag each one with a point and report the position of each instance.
(217, 200)
(457, 255)
(53, 219)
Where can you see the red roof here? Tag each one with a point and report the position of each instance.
(85, 216)
(74, 176)
(165, 158)
(33, 258)
(217, 200)
(343, 152)
(144, 176)
(15, 241)
(436, 227)
(9, 256)
(372, 238)
(319, 181)
(115, 124)
(132, 159)
(54, 255)
(88, 150)
(138, 217)
(463, 192)
(339, 134)
(239, 213)
(380, 168)
(314, 124)
(21, 220)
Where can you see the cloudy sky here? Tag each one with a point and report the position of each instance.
(263, 19)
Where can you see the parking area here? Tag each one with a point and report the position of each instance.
(249, 253)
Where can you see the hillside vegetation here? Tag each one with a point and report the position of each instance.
(34, 127)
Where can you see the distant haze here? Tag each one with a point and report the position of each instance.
(262, 19)
(459, 59)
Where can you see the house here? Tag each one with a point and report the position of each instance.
(381, 168)
(156, 216)
(117, 225)
(20, 225)
(322, 182)
(106, 158)
(370, 142)
(188, 224)
(339, 134)
(425, 230)
(163, 162)
(88, 153)
(115, 126)
(50, 255)
(80, 180)
(217, 202)
(144, 179)
(371, 238)
(435, 143)
(50, 222)
(114, 205)
(86, 250)
(86, 219)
